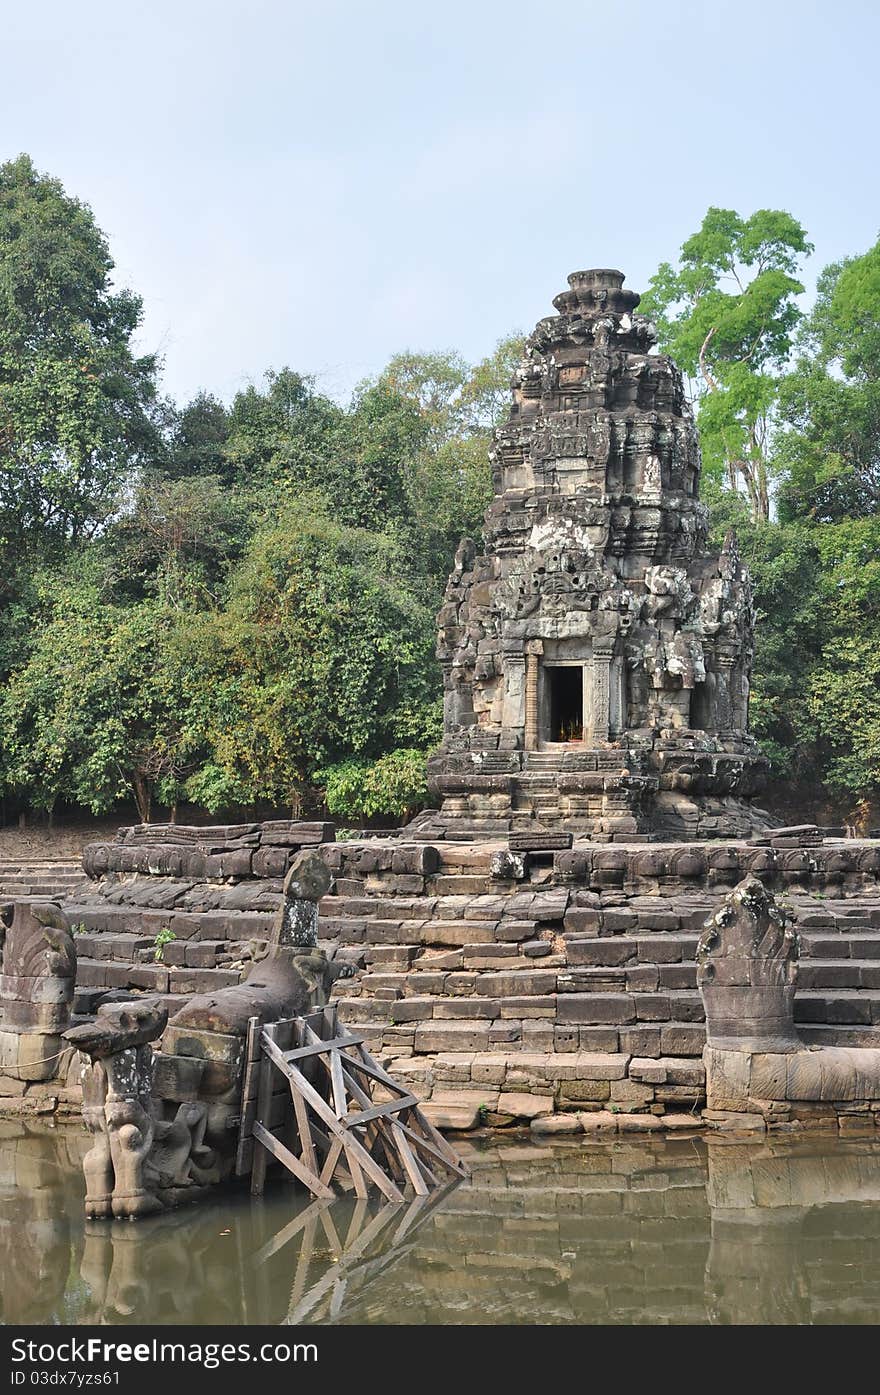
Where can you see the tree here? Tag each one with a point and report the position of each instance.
(92, 714)
(282, 437)
(321, 653)
(197, 439)
(75, 401)
(177, 540)
(447, 477)
(830, 403)
(727, 315)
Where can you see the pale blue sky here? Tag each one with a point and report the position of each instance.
(323, 185)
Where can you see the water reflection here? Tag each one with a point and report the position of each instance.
(673, 1231)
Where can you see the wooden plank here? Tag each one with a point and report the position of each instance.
(248, 1107)
(297, 1053)
(413, 1170)
(340, 1100)
(306, 1143)
(271, 1144)
(427, 1146)
(261, 1154)
(339, 1080)
(400, 1162)
(323, 1110)
(375, 1072)
(331, 1160)
(379, 1111)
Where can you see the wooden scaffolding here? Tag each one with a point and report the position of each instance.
(316, 1101)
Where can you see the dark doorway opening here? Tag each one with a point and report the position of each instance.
(566, 692)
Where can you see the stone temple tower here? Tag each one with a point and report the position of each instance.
(595, 656)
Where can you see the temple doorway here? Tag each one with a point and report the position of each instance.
(565, 694)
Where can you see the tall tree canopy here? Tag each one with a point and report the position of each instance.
(75, 398)
(830, 403)
(727, 314)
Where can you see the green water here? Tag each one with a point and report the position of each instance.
(613, 1232)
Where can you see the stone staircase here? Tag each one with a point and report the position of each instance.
(573, 987)
(475, 986)
(543, 762)
(50, 878)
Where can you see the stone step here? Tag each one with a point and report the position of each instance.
(27, 888)
(148, 921)
(823, 944)
(839, 1006)
(838, 973)
(819, 1034)
(155, 978)
(463, 884)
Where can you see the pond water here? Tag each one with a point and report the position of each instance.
(639, 1231)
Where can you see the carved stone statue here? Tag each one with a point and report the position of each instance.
(36, 988)
(746, 970)
(162, 1119)
(756, 1064)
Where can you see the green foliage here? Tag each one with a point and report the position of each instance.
(163, 937)
(830, 403)
(235, 605)
(196, 440)
(75, 402)
(394, 784)
(91, 714)
(727, 315)
(319, 651)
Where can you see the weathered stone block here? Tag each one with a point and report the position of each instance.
(601, 1121)
(598, 1039)
(517, 983)
(548, 1125)
(528, 1007)
(412, 1010)
(576, 1091)
(595, 1008)
(580, 920)
(517, 1106)
(682, 1040)
(600, 952)
(451, 1036)
(652, 1007)
(640, 1041)
(460, 1008)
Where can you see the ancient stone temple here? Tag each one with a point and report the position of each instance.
(595, 655)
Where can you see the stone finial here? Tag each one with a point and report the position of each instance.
(307, 880)
(747, 971)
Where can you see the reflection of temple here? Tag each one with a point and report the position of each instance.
(595, 657)
(649, 1231)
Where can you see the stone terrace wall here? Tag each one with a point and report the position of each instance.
(500, 987)
(574, 988)
(214, 889)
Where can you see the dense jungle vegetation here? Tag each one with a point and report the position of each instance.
(231, 605)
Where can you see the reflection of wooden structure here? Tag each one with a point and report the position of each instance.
(316, 1101)
(371, 1244)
